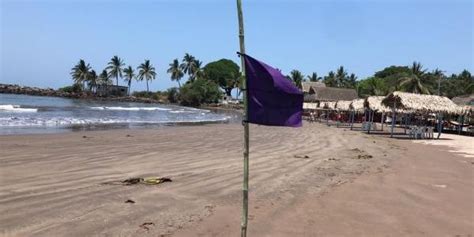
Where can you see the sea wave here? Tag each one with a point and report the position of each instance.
(16, 109)
(130, 108)
(65, 122)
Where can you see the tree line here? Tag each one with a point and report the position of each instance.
(205, 83)
(202, 84)
(413, 79)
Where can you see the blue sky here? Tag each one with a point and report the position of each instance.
(41, 40)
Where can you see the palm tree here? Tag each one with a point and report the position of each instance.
(341, 76)
(314, 77)
(188, 65)
(129, 75)
(92, 81)
(115, 68)
(197, 71)
(297, 77)
(146, 71)
(414, 82)
(80, 73)
(330, 79)
(175, 71)
(438, 74)
(104, 78)
(351, 81)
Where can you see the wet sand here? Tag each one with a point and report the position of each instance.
(311, 181)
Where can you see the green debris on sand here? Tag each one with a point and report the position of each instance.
(139, 180)
(362, 155)
(149, 180)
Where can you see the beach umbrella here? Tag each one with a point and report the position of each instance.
(269, 99)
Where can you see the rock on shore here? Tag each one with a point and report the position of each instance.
(26, 90)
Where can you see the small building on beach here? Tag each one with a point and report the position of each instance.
(112, 90)
(329, 94)
(308, 86)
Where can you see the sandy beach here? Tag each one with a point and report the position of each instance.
(311, 181)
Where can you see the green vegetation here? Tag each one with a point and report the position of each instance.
(225, 73)
(129, 75)
(80, 73)
(207, 84)
(297, 77)
(75, 88)
(415, 79)
(115, 68)
(175, 71)
(146, 71)
(314, 77)
(198, 92)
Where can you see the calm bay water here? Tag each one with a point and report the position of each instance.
(36, 114)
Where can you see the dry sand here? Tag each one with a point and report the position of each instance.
(350, 184)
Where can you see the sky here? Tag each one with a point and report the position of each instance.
(41, 40)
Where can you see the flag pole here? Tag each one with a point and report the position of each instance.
(245, 188)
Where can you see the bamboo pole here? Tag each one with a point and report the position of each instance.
(381, 121)
(352, 118)
(327, 117)
(393, 118)
(245, 188)
(461, 125)
(440, 124)
(370, 118)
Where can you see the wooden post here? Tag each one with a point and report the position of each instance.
(327, 117)
(461, 125)
(352, 118)
(371, 117)
(245, 188)
(381, 121)
(406, 123)
(393, 118)
(440, 124)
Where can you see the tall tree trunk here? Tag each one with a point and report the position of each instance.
(147, 85)
(129, 85)
(179, 84)
(116, 80)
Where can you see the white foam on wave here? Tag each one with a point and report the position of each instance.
(118, 108)
(61, 122)
(16, 109)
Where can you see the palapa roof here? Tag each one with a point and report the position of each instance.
(375, 103)
(357, 105)
(343, 105)
(331, 94)
(422, 103)
(329, 105)
(310, 105)
(308, 85)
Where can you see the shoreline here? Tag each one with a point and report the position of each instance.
(49, 92)
(52, 184)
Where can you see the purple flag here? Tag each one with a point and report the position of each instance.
(272, 99)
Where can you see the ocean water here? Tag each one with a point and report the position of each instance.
(21, 114)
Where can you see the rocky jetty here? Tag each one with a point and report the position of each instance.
(26, 90)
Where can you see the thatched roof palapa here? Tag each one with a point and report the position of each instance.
(357, 105)
(375, 103)
(343, 105)
(308, 86)
(421, 103)
(330, 105)
(330, 94)
(310, 106)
